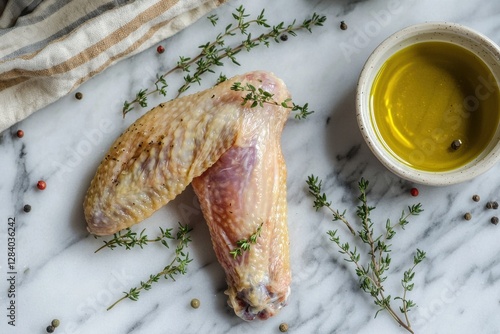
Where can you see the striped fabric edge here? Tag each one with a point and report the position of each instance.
(24, 90)
(78, 47)
(47, 7)
(11, 10)
(59, 19)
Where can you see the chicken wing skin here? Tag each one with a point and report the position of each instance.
(156, 158)
(232, 155)
(245, 188)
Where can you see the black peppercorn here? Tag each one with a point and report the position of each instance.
(476, 198)
(489, 205)
(494, 205)
(79, 96)
(468, 216)
(27, 208)
(455, 145)
(494, 220)
(343, 25)
(50, 329)
(284, 37)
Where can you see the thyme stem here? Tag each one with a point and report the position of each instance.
(320, 201)
(212, 53)
(129, 239)
(372, 276)
(177, 266)
(244, 245)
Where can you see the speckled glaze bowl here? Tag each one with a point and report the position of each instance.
(483, 47)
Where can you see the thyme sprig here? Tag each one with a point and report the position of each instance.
(213, 53)
(321, 201)
(258, 97)
(244, 245)
(177, 266)
(129, 239)
(372, 276)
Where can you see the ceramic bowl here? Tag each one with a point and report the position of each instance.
(473, 41)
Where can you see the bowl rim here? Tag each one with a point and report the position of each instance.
(464, 173)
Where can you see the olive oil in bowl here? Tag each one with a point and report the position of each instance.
(436, 106)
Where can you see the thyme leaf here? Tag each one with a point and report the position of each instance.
(244, 245)
(372, 275)
(129, 239)
(258, 97)
(212, 54)
(321, 201)
(177, 266)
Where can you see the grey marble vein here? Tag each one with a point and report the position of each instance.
(457, 288)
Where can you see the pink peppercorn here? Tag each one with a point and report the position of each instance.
(41, 185)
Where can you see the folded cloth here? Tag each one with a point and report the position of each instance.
(49, 47)
(10, 10)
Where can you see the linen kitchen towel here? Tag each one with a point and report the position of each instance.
(49, 47)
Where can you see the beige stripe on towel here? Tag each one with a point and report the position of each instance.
(89, 53)
(34, 80)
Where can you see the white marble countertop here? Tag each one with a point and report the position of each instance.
(457, 288)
